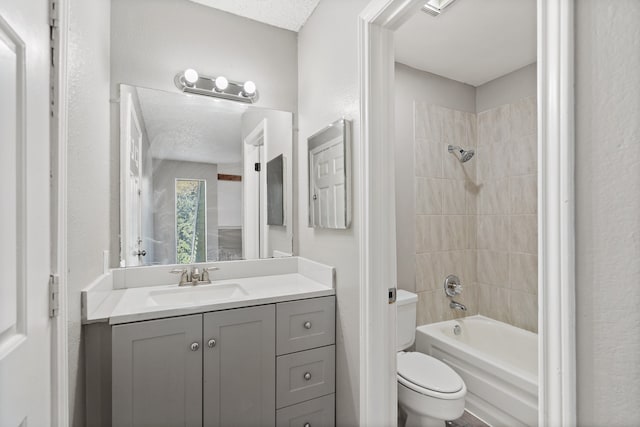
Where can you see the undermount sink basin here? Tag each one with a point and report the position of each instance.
(200, 294)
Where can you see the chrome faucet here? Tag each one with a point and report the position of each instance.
(193, 276)
(457, 306)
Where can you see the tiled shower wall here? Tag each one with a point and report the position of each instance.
(477, 219)
(445, 203)
(507, 222)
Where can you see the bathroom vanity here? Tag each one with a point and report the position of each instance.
(245, 351)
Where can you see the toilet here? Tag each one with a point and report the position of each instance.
(429, 391)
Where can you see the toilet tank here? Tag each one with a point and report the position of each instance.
(406, 303)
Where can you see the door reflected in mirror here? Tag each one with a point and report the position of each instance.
(194, 179)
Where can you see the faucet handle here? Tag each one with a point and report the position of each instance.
(452, 286)
(184, 275)
(205, 274)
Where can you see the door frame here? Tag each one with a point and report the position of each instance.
(59, 134)
(556, 202)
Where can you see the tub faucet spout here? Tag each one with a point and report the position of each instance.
(457, 306)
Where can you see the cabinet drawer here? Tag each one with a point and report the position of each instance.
(305, 324)
(305, 375)
(318, 412)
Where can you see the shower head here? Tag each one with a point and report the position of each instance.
(465, 155)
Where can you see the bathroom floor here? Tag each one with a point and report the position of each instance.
(466, 420)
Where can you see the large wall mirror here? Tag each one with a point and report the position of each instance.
(202, 179)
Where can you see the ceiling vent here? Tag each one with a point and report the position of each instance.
(436, 7)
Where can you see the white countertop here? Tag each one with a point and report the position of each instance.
(133, 304)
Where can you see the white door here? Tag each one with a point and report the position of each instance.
(133, 199)
(25, 327)
(254, 228)
(328, 183)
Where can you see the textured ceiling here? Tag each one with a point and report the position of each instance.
(472, 41)
(192, 128)
(287, 14)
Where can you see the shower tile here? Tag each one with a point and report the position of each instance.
(419, 119)
(472, 191)
(428, 196)
(428, 233)
(523, 194)
(523, 272)
(493, 232)
(428, 161)
(493, 302)
(453, 262)
(454, 236)
(432, 307)
(453, 197)
(523, 156)
(524, 234)
(523, 117)
(493, 162)
(493, 198)
(430, 272)
(472, 231)
(524, 310)
(493, 125)
(493, 268)
(433, 123)
(454, 128)
(471, 129)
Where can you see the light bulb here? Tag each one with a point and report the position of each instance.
(190, 76)
(221, 83)
(249, 88)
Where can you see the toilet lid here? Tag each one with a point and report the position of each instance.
(428, 372)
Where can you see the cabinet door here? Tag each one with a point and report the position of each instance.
(239, 368)
(157, 373)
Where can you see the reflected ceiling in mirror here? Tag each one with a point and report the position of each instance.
(193, 179)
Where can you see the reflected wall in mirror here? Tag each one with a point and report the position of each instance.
(330, 176)
(194, 184)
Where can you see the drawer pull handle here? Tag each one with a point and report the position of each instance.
(307, 376)
(195, 346)
(307, 325)
(211, 343)
(307, 425)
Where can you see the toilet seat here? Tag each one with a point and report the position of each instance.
(429, 376)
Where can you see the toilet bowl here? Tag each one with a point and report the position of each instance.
(429, 391)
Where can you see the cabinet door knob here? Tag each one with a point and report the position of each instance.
(307, 425)
(307, 376)
(211, 343)
(195, 346)
(307, 325)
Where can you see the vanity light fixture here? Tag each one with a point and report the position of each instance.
(436, 7)
(190, 76)
(189, 81)
(220, 83)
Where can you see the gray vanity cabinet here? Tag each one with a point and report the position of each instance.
(263, 366)
(239, 367)
(157, 373)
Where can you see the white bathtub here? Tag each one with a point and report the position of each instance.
(498, 363)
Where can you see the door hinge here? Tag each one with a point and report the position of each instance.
(54, 293)
(257, 167)
(392, 295)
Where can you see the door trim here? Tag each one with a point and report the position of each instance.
(59, 135)
(556, 200)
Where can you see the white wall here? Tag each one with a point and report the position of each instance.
(328, 90)
(152, 40)
(412, 85)
(88, 171)
(608, 211)
(507, 89)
